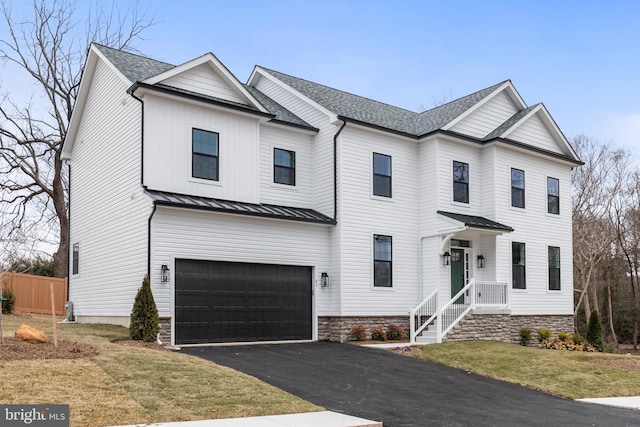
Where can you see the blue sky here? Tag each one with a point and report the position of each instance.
(581, 58)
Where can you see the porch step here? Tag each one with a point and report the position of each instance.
(427, 337)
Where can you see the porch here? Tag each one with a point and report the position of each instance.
(429, 323)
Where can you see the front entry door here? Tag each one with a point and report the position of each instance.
(457, 273)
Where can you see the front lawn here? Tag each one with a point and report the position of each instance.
(132, 385)
(569, 374)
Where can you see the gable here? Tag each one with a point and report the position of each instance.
(203, 79)
(535, 132)
(487, 117)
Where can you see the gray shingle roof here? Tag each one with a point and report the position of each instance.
(497, 132)
(376, 113)
(134, 67)
(165, 198)
(476, 221)
(137, 68)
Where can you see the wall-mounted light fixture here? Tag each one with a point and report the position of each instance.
(164, 273)
(480, 261)
(446, 258)
(324, 280)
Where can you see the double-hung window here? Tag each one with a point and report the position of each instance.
(517, 188)
(518, 266)
(553, 195)
(460, 182)
(554, 268)
(381, 175)
(382, 261)
(204, 160)
(284, 166)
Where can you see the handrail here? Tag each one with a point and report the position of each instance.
(450, 310)
(427, 306)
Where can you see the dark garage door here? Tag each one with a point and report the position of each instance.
(233, 302)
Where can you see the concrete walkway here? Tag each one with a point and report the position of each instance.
(309, 419)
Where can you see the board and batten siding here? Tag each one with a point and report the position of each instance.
(487, 117)
(188, 234)
(534, 132)
(205, 80)
(537, 229)
(108, 211)
(362, 215)
(168, 128)
(300, 194)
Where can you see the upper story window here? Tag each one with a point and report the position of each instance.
(205, 155)
(553, 195)
(75, 258)
(460, 182)
(517, 188)
(554, 268)
(381, 175)
(284, 166)
(382, 260)
(518, 266)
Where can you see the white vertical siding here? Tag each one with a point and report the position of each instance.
(300, 194)
(488, 117)
(205, 80)
(168, 150)
(108, 210)
(180, 233)
(537, 230)
(534, 132)
(363, 215)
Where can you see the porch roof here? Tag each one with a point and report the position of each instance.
(164, 198)
(473, 221)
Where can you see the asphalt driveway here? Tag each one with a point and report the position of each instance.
(401, 391)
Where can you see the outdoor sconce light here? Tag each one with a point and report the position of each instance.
(446, 258)
(324, 280)
(480, 261)
(164, 273)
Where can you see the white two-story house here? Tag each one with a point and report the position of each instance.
(282, 209)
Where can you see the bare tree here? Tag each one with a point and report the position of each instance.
(596, 185)
(49, 48)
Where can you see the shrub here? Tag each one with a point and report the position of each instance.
(563, 336)
(357, 333)
(394, 332)
(7, 305)
(378, 334)
(525, 336)
(144, 316)
(578, 339)
(594, 331)
(544, 334)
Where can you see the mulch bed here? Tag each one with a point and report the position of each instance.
(14, 349)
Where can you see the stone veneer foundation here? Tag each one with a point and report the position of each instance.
(164, 328)
(475, 326)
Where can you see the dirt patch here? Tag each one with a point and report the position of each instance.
(14, 349)
(136, 343)
(406, 351)
(633, 364)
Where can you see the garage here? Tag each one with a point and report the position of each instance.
(218, 302)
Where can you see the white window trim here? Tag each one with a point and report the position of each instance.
(189, 156)
(526, 201)
(372, 261)
(279, 186)
(371, 176)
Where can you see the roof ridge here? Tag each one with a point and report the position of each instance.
(339, 90)
(139, 55)
(466, 96)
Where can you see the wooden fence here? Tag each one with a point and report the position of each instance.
(33, 293)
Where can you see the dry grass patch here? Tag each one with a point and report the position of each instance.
(127, 384)
(569, 374)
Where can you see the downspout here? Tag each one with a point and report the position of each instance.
(69, 244)
(153, 211)
(335, 172)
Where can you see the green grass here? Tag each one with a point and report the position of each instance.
(573, 375)
(134, 385)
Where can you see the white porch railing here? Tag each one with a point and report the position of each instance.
(419, 320)
(474, 294)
